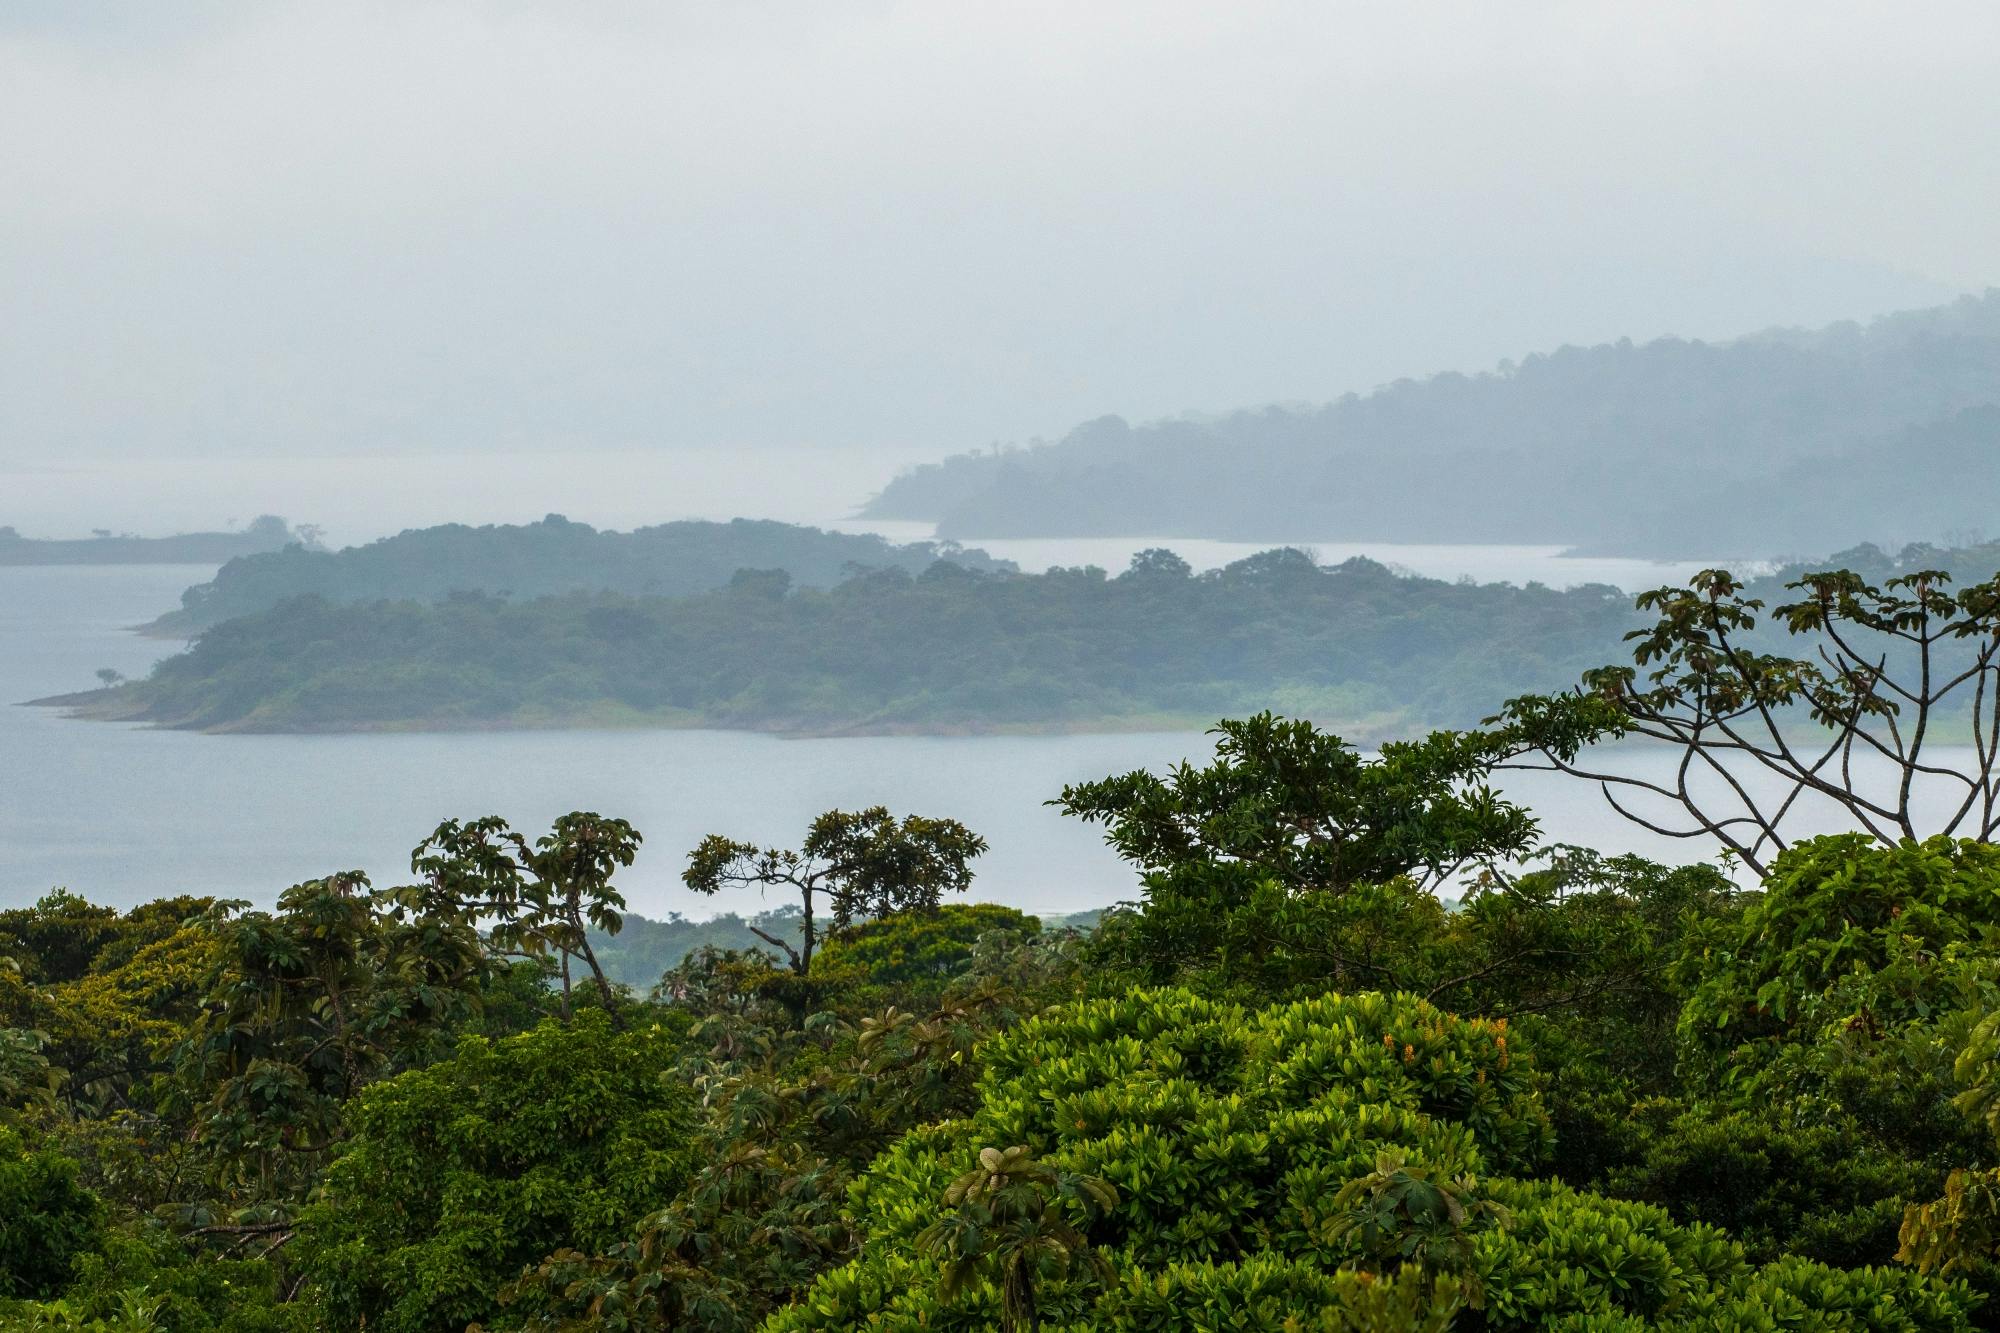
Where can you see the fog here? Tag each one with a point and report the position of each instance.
(784, 249)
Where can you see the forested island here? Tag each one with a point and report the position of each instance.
(266, 534)
(952, 649)
(1782, 442)
(552, 556)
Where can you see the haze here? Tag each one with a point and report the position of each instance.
(782, 250)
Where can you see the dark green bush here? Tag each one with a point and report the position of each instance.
(459, 1175)
(47, 1220)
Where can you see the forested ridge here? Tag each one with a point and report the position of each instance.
(552, 556)
(1782, 442)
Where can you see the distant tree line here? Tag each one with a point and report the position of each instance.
(950, 649)
(552, 556)
(265, 534)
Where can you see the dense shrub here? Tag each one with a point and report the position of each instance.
(1229, 1135)
(144, 1279)
(910, 958)
(47, 1219)
(1847, 935)
(459, 1175)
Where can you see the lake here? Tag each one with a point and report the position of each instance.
(122, 814)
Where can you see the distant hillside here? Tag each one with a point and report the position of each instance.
(552, 556)
(189, 548)
(1782, 441)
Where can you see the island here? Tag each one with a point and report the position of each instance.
(268, 533)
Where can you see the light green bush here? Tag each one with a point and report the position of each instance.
(1228, 1134)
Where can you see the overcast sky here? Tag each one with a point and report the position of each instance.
(309, 230)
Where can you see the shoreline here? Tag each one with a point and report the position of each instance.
(86, 706)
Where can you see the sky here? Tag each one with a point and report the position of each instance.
(765, 254)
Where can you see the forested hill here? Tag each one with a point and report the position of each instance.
(949, 650)
(1779, 442)
(189, 548)
(552, 556)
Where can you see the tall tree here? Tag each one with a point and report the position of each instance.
(1289, 802)
(1852, 717)
(537, 899)
(307, 1005)
(861, 863)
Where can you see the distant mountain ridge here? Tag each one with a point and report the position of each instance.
(1784, 440)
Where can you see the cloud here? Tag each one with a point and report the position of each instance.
(906, 228)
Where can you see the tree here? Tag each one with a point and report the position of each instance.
(110, 678)
(1295, 861)
(538, 899)
(865, 863)
(1157, 563)
(27, 1080)
(1232, 1135)
(910, 958)
(458, 1175)
(1009, 1219)
(1286, 801)
(309, 1004)
(47, 1219)
(1403, 1212)
(1882, 671)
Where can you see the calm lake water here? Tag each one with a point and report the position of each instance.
(122, 814)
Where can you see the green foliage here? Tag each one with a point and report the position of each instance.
(308, 1005)
(859, 863)
(538, 900)
(352, 1111)
(47, 1219)
(1292, 855)
(27, 1079)
(1010, 1221)
(1235, 1140)
(144, 1281)
(1821, 1192)
(1847, 937)
(1957, 1232)
(1404, 1213)
(910, 958)
(456, 1176)
(949, 650)
(1268, 1291)
(552, 556)
(1960, 1231)
(793, 1108)
(1288, 802)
